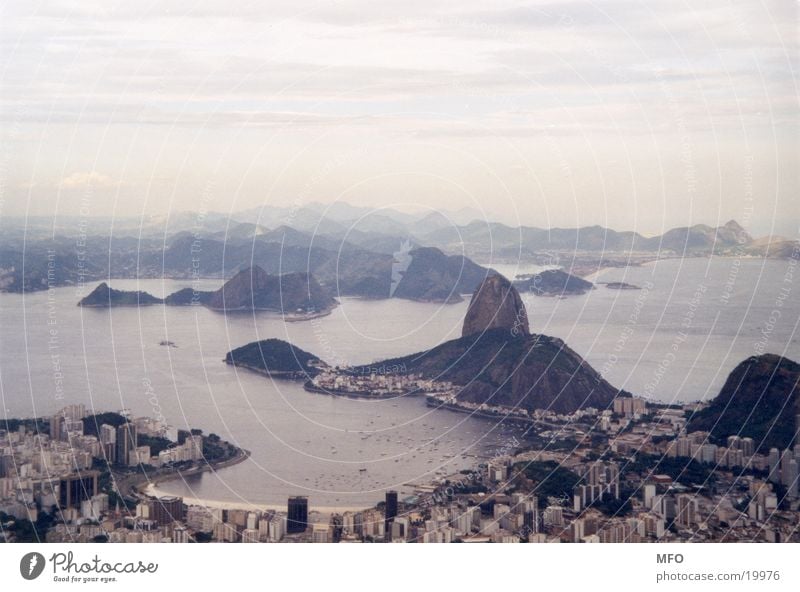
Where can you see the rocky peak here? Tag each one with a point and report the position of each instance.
(240, 291)
(496, 304)
(255, 289)
(733, 232)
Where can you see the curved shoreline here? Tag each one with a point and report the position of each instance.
(312, 388)
(132, 484)
(153, 490)
(296, 375)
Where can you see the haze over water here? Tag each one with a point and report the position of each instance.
(305, 443)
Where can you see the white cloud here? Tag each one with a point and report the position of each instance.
(87, 179)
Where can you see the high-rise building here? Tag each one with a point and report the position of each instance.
(194, 443)
(612, 479)
(576, 529)
(786, 459)
(390, 511)
(74, 412)
(629, 406)
(276, 528)
(774, 465)
(686, 511)
(554, 516)
(126, 442)
(298, 514)
(108, 440)
(708, 453)
(649, 493)
(531, 521)
(320, 533)
(56, 426)
(73, 427)
(166, 510)
(791, 478)
(76, 487)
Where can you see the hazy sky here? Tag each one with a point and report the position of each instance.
(629, 114)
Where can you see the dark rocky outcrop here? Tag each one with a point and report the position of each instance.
(758, 400)
(553, 282)
(103, 296)
(188, 297)
(496, 304)
(276, 358)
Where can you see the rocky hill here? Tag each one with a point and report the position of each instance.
(529, 371)
(497, 361)
(275, 358)
(188, 297)
(496, 304)
(758, 400)
(432, 276)
(103, 296)
(554, 282)
(255, 289)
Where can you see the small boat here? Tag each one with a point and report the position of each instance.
(362, 470)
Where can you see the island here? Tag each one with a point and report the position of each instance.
(297, 296)
(553, 282)
(254, 289)
(620, 286)
(276, 358)
(103, 296)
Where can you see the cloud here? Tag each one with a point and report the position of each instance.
(87, 179)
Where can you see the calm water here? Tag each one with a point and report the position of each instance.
(674, 341)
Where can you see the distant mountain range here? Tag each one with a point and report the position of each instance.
(360, 252)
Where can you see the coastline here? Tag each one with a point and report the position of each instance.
(312, 388)
(289, 317)
(295, 375)
(153, 490)
(133, 484)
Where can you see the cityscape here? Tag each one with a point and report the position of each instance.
(627, 474)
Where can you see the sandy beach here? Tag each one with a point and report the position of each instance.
(153, 490)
